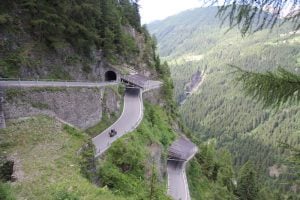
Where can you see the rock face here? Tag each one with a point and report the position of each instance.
(153, 97)
(192, 85)
(195, 80)
(80, 107)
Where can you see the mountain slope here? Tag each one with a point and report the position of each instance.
(80, 40)
(193, 41)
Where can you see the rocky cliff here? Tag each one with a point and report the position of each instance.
(80, 107)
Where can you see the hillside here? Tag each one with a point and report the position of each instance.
(194, 40)
(71, 39)
(42, 156)
(48, 148)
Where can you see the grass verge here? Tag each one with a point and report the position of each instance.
(47, 154)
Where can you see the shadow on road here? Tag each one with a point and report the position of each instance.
(132, 91)
(175, 165)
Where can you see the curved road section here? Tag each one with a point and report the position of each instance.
(130, 118)
(180, 152)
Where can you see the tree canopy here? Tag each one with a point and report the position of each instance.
(255, 15)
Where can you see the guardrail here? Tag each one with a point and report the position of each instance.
(52, 83)
(46, 80)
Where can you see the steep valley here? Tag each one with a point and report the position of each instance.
(220, 110)
(92, 106)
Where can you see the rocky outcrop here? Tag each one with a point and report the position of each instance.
(194, 81)
(80, 107)
(152, 97)
(192, 85)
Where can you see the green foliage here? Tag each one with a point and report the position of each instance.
(9, 66)
(43, 145)
(86, 68)
(105, 122)
(85, 25)
(126, 162)
(72, 131)
(247, 183)
(6, 192)
(87, 161)
(13, 93)
(251, 16)
(130, 10)
(121, 90)
(210, 174)
(167, 88)
(273, 89)
(65, 195)
(219, 109)
(59, 73)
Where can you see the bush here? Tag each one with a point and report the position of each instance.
(87, 161)
(125, 168)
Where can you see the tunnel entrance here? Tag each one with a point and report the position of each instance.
(110, 76)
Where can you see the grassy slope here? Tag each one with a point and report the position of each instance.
(47, 154)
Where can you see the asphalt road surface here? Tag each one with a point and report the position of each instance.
(4, 83)
(177, 182)
(130, 118)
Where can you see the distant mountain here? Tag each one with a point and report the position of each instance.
(179, 31)
(219, 109)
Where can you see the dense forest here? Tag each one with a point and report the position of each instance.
(237, 138)
(43, 37)
(195, 40)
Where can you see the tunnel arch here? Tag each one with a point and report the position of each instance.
(110, 76)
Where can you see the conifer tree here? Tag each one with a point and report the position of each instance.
(271, 88)
(252, 15)
(247, 186)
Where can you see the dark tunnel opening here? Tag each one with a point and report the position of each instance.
(110, 76)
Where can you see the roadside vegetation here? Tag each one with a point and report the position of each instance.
(108, 118)
(48, 161)
(129, 168)
(219, 109)
(55, 161)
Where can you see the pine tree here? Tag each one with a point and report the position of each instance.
(251, 16)
(271, 88)
(247, 185)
